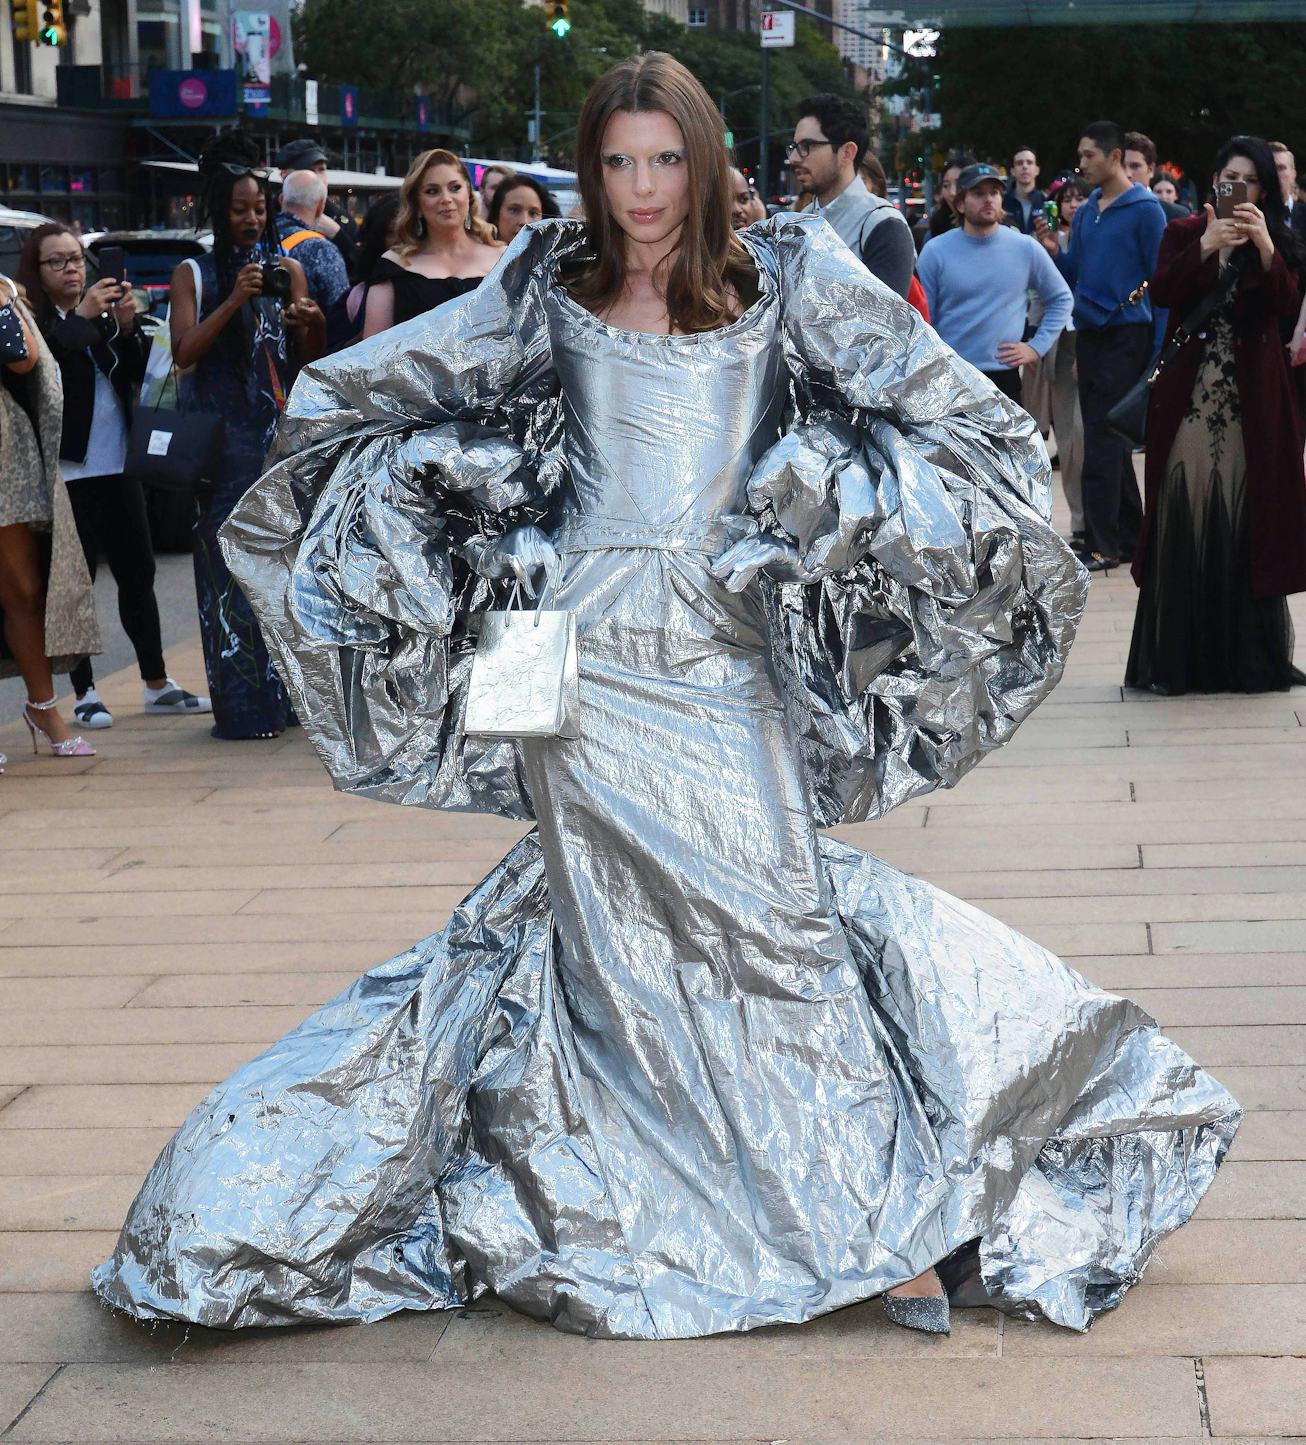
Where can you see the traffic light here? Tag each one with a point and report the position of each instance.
(557, 16)
(24, 20)
(53, 31)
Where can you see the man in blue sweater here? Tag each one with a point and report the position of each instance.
(1114, 242)
(978, 281)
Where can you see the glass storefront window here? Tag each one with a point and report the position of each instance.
(54, 180)
(82, 182)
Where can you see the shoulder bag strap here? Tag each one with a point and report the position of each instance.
(1197, 318)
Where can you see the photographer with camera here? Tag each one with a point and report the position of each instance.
(242, 323)
(92, 334)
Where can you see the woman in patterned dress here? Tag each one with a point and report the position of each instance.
(244, 347)
(1224, 535)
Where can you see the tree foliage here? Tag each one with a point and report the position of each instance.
(1188, 87)
(479, 56)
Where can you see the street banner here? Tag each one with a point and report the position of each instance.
(310, 102)
(349, 105)
(423, 113)
(252, 41)
(192, 92)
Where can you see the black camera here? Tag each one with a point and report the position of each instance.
(276, 282)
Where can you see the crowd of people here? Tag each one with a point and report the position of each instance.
(1063, 294)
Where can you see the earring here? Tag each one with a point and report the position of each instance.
(467, 223)
(421, 226)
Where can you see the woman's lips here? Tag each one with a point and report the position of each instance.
(644, 217)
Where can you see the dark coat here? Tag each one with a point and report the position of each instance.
(80, 346)
(1265, 308)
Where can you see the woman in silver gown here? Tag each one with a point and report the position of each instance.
(678, 1065)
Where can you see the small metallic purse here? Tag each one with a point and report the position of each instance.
(525, 682)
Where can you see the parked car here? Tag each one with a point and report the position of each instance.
(152, 256)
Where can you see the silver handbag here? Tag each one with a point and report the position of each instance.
(525, 682)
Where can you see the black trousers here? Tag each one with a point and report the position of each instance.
(110, 516)
(1109, 361)
(1007, 382)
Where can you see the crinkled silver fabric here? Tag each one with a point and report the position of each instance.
(678, 1065)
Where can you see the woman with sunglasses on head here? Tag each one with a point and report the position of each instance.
(101, 351)
(238, 349)
(443, 248)
(679, 1065)
(47, 607)
(1223, 542)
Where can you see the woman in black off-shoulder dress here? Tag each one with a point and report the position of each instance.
(439, 231)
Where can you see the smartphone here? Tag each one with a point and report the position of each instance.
(1229, 194)
(112, 261)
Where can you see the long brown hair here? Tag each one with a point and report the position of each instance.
(28, 275)
(408, 238)
(709, 261)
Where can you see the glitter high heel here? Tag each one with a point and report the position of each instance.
(927, 1313)
(69, 748)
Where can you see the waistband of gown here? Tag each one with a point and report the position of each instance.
(711, 535)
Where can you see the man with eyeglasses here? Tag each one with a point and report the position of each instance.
(830, 139)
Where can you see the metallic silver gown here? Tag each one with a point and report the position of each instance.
(678, 1065)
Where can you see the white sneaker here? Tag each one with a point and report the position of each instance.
(90, 712)
(173, 699)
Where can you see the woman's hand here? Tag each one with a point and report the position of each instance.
(249, 282)
(103, 296)
(1048, 238)
(125, 311)
(526, 555)
(1220, 236)
(1251, 222)
(740, 564)
(303, 313)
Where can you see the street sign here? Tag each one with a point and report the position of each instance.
(777, 29)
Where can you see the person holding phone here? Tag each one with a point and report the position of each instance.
(1224, 530)
(242, 322)
(101, 351)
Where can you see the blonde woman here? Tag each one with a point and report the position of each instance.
(443, 250)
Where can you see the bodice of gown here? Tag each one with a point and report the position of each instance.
(665, 429)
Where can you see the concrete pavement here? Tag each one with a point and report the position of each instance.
(174, 904)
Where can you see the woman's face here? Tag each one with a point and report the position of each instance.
(645, 174)
(519, 208)
(1165, 191)
(1069, 205)
(443, 199)
(248, 215)
(1240, 168)
(63, 270)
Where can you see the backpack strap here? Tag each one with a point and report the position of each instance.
(295, 237)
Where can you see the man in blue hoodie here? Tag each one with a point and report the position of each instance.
(1114, 242)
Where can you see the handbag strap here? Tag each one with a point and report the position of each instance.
(1192, 324)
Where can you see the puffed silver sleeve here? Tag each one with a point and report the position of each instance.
(391, 455)
(920, 495)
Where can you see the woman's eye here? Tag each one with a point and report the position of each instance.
(669, 158)
(616, 162)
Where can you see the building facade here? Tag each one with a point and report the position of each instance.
(143, 81)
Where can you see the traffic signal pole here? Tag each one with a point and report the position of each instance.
(764, 136)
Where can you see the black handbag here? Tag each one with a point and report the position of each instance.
(1128, 417)
(173, 450)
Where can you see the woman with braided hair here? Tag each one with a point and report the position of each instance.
(238, 348)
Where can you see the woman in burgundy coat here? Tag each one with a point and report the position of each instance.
(1224, 532)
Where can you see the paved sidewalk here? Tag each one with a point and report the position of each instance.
(174, 904)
